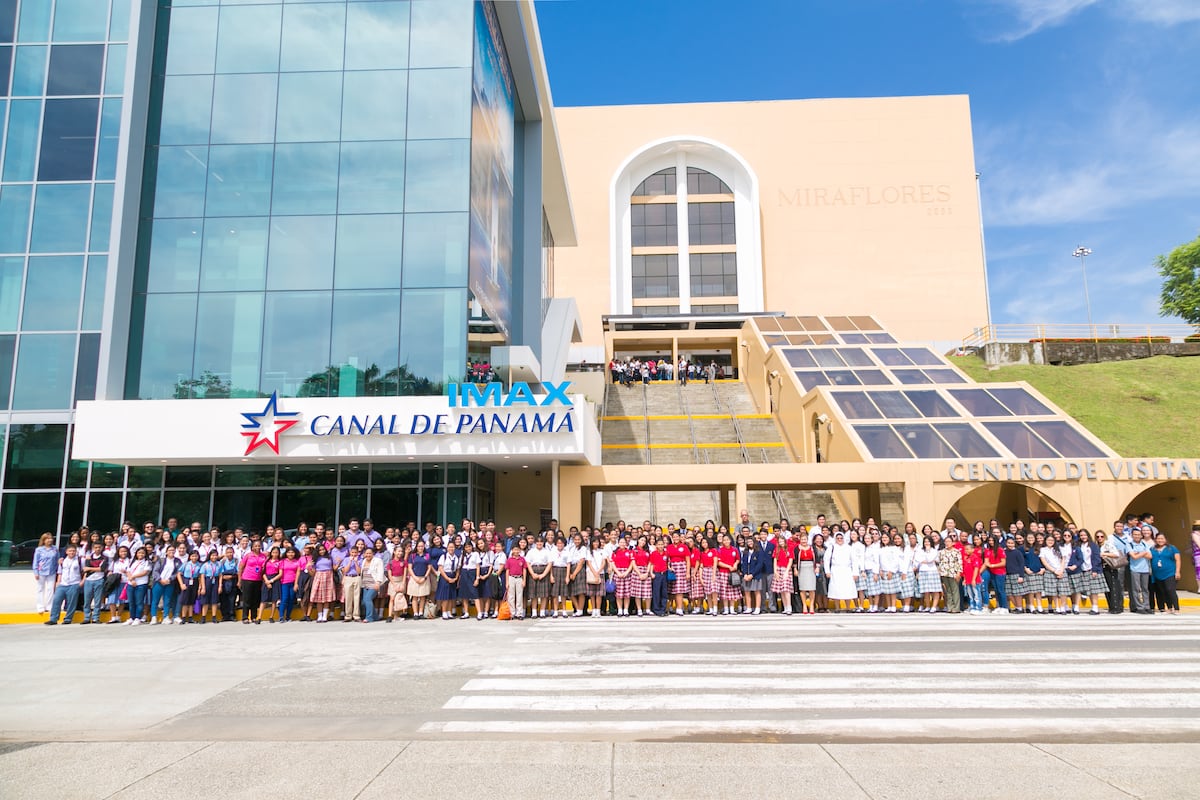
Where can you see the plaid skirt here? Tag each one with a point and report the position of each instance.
(1053, 586)
(681, 584)
(889, 585)
(559, 587)
(622, 582)
(538, 588)
(1096, 583)
(578, 584)
(755, 584)
(908, 586)
(639, 587)
(594, 590)
(322, 588)
(1033, 584)
(871, 584)
(929, 581)
(727, 590)
(1080, 583)
(781, 580)
(1014, 589)
(696, 587)
(708, 577)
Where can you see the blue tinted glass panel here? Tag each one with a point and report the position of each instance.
(842, 378)
(166, 344)
(894, 405)
(438, 175)
(1021, 402)
(239, 180)
(800, 358)
(433, 338)
(306, 179)
(6, 59)
(118, 26)
(910, 376)
(8, 353)
(68, 140)
(80, 21)
(114, 70)
(882, 441)
(45, 372)
(296, 343)
(1069, 442)
(8, 29)
(86, 364)
(965, 440)
(812, 379)
(228, 343)
(922, 356)
(872, 377)
(24, 130)
(1020, 440)
(52, 289)
(174, 255)
(372, 178)
(249, 39)
(924, 443)
(310, 107)
(301, 253)
(439, 104)
(377, 35)
(35, 460)
(75, 69)
(60, 218)
(435, 250)
(29, 71)
(192, 46)
(313, 37)
(368, 251)
(374, 105)
(856, 405)
(102, 205)
(110, 131)
(14, 218)
(442, 33)
(12, 271)
(243, 109)
(945, 376)
(235, 254)
(186, 109)
(931, 404)
(366, 335)
(34, 23)
(93, 293)
(179, 190)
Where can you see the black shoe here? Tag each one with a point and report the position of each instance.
(49, 622)
(86, 622)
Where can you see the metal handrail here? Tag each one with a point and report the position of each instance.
(646, 420)
(691, 425)
(715, 495)
(776, 495)
(1098, 332)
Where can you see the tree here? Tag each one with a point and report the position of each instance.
(1180, 272)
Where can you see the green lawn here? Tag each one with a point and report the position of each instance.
(1140, 408)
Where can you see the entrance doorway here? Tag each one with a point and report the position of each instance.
(1006, 503)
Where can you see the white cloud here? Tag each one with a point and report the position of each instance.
(1032, 16)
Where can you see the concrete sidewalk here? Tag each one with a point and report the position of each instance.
(658, 770)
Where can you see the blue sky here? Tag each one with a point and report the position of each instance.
(1086, 113)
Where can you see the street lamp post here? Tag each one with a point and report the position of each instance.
(1082, 253)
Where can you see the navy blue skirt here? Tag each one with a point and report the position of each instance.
(467, 590)
(446, 590)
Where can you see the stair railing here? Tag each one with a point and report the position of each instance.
(776, 495)
(691, 424)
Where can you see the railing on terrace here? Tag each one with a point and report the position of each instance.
(1081, 332)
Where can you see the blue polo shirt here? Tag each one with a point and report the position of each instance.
(1139, 565)
(1162, 565)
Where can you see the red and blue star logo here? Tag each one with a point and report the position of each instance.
(263, 427)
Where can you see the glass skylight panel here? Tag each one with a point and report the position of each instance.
(800, 339)
(810, 379)
(841, 323)
(1021, 402)
(944, 376)
(891, 357)
(979, 403)
(1020, 440)
(922, 356)
(873, 377)
(880, 338)
(854, 338)
(866, 323)
(910, 376)
(789, 324)
(775, 341)
(855, 357)
(843, 378)
(965, 440)
(828, 358)
(812, 323)
(856, 405)
(801, 359)
(894, 405)
(767, 324)
(924, 443)
(931, 404)
(1066, 440)
(882, 441)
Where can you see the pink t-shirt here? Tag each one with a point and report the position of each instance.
(291, 566)
(253, 567)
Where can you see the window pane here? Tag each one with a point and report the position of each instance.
(965, 440)
(872, 377)
(24, 132)
(366, 335)
(856, 405)
(45, 372)
(924, 442)
(438, 175)
(14, 218)
(145, 477)
(8, 354)
(301, 253)
(8, 31)
(435, 250)
(93, 293)
(1066, 440)
(12, 272)
(944, 376)
(110, 134)
(296, 344)
(29, 71)
(1020, 402)
(174, 255)
(186, 109)
(842, 378)
(659, 184)
(60, 218)
(189, 476)
(296, 475)
(87, 362)
(979, 403)
(241, 508)
(228, 337)
(166, 341)
(102, 208)
(441, 33)
(373, 105)
(894, 405)
(313, 37)
(891, 357)
(179, 183)
(310, 107)
(35, 457)
(811, 379)
(1020, 440)
(52, 290)
(249, 39)
(922, 356)
(827, 358)
(882, 441)
(192, 46)
(68, 140)
(114, 70)
(75, 69)
(799, 358)
(910, 376)
(308, 505)
(239, 180)
(931, 404)
(35, 22)
(372, 178)
(306, 179)
(855, 357)
(369, 251)
(243, 109)
(377, 35)
(439, 103)
(880, 338)
(235, 254)
(80, 21)
(433, 339)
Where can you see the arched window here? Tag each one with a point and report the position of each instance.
(686, 232)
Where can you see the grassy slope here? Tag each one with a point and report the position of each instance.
(1140, 408)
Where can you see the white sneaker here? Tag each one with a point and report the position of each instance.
(153, 621)
(641, 613)
(679, 612)
(137, 622)
(756, 612)
(178, 621)
(128, 622)
(1001, 610)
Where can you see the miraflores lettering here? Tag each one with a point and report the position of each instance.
(1145, 469)
(835, 196)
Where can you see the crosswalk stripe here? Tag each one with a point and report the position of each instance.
(847, 683)
(897, 665)
(872, 640)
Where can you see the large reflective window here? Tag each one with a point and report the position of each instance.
(186, 109)
(366, 335)
(711, 223)
(442, 33)
(45, 372)
(228, 339)
(235, 254)
(377, 36)
(29, 71)
(80, 21)
(306, 179)
(435, 250)
(433, 339)
(239, 180)
(856, 405)
(1020, 440)
(52, 292)
(68, 140)
(87, 364)
(965, 440)
(168, 334)
(1069, 442)
(894, 405)
(799, 358)
(8, 356)
(374, 105)
(180, 180)
(369, 250)
(882, 441)
(35, 457)
(243, 109)
(924, 443)
(174, 255)
(24, 132)
(372, 178)
(110, 133)
(15, 201)
(248, 39)
(60, 218)
(439, 104)
(931, 404)
(296, 344)
(310, 107)
(922, 356)
(102, 208)
(979, 403)
(192, 46)
(653, 225)
(313, 37)
(301, 253)
(1020, 402)
(114, 70)
(12, 272)
(438, 175)
(75, 69)
(93, 293)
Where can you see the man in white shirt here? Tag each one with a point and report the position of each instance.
(66, 589)
(950, 533)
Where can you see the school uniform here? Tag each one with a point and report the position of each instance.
(677, 561)
(929, 581)
(889, 569)
(622, 560)
(447, 590)
(696, 586)
(871, 583)
(1053, 585)
(593, 571)
(560, 567)
(708, 572)
(538, 559)
(641, 579)
(658, 582)
(419, 566)
(577, 584)
(1034, 571)
(781, 571)
(467, 588)
(727, 556)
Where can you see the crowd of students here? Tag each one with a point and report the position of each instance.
(167, 575)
